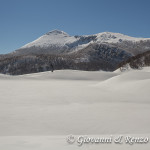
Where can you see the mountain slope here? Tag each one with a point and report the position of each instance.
(136, 62)
(60, 42)
(102, 51)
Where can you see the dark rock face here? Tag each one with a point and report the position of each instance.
(134, 48)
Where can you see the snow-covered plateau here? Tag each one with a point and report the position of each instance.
(38, 111)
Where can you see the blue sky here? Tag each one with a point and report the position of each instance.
(22, 21)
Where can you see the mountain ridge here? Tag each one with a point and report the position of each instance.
(102, 51)
(61, 40)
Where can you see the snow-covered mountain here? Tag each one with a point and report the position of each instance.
(60, 42)
(102, 51)
(58, 38)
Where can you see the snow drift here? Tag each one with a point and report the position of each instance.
(38, 111)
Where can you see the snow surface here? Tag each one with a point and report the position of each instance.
(60, 39)
(38, 111)
(55, 37)
(111, 37)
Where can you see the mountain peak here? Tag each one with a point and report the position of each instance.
(56, 32)
(58, 38)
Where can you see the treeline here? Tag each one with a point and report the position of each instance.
(92, 58)
(18, 65)
(136, 62)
